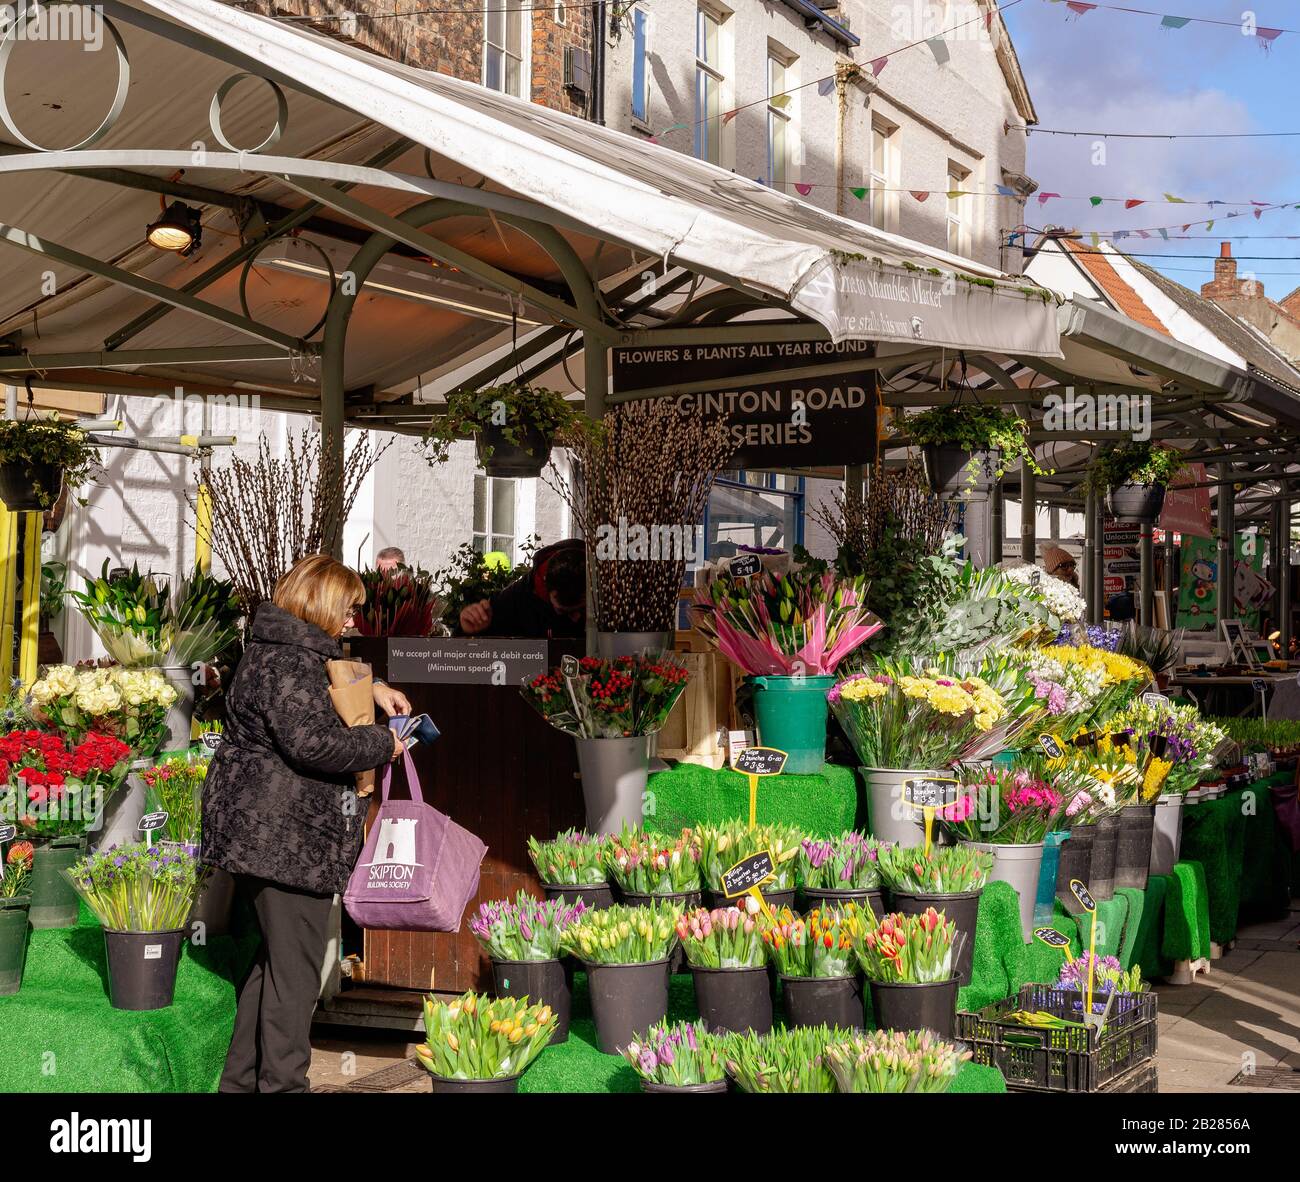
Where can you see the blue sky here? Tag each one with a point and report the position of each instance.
(1112, 71)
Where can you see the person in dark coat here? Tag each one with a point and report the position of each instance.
(548, 601)
(280, 812)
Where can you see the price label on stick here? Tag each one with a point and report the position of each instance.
(8, 833)
(212, 739)
(744, 565)
(754, 762)
(930, 791)
(1054, 939)
(748, 874)
(1154, 699)
(1089, 904)
(1080, 892)
(1051, 746)
(1259, 685)
(151, 821)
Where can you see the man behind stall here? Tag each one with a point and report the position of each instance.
(548, 600)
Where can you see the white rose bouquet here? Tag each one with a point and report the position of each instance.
(129, 704)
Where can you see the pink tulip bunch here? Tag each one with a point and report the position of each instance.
(725, 938)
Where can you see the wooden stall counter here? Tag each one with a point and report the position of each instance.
(498, 770)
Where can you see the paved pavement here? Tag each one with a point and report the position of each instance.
(1239, 1022)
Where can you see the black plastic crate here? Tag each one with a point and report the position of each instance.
(1143, 1078)
(1076, 1059)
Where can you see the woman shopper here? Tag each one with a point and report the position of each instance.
(280, 812)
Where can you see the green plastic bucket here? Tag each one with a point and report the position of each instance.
(791, 716)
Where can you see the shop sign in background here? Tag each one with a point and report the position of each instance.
(823, 420)
(465, 662)
(1196, 585)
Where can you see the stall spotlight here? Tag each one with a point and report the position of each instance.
(178, 229)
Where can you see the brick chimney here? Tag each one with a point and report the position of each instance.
(1225, 285)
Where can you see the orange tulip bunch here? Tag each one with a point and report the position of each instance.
(908, 949)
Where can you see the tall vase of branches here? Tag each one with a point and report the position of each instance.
(639, 491)
(269, 512)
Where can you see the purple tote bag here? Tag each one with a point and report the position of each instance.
(418, 869)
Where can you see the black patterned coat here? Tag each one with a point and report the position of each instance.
(279, 799)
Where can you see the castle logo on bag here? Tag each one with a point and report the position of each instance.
(393, 867)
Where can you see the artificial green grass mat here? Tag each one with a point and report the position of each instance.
(63, 1035)
(1187, 914)
(577, 1064)
(687, 794)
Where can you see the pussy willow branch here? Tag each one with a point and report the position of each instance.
(653, 467)
(895, 497)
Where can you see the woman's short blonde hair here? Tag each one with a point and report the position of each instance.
(320, 590)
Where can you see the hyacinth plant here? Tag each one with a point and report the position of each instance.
(478, 1037)
(139, 887)
(1108, 975)
(907, 949)
(600, 699)
(895, 1061)
(945, 870)
(623, 935)
(1003, 806)
(653, 864)
(524, 928)
(785, 624)
(175, 787)
(903, 716)
(680, 1055)
(820, 945)
(844, 863)
(789, 1060)
(726, 843)
(571, 858)
(15, 873)
(725, 938)
(54, 790)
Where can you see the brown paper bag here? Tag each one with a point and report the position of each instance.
(352, 692)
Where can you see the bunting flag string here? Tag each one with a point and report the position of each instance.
(1248, 26)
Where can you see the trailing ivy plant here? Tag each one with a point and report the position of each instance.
(512, 408)
(975, 428)
(1134, 463)
(34, 443)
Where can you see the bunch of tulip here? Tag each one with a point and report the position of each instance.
(571, 858)
(820, 945)
(845, 863)
(477, 1037)
(623, 935)
(175, 787)
(895, 1061)
(523, 928)
(726, 938)
(680, 1054)
(790, 1060)
(16, 870)
(945, 870)
(907, 949)
(725, 844)
(653, 864)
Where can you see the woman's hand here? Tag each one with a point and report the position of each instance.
(392, 702)
(398, 747)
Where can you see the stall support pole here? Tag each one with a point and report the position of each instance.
(1028, 515)
(595, 357)
(1146, 576)
(1225, 520)
(29, 637)
(997, 523)
(1284, 568)
(1099, 556)
(8, 579)
(1089, 555)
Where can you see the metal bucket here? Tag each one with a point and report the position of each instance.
(631, 644)
(1167, 834)
(889, 817)
(614, 775)
(1018, 866)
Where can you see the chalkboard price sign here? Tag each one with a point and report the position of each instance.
(1051, 746)
(934, 792)
(151, 821)
(748, 873)
(1052, 938)
(8, 832)
(744, 565)
(212, 739)
(1154, 699)
(1080, 892)
(1259, 685)
(760, 761)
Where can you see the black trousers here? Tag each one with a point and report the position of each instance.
(270, 1049)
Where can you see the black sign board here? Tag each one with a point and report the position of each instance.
(933, 791)
(830, 419)
(1052, 937)
(8, 832)
(1259, 685)
(1051, 746)
(151, 821)
(1080, 892)
(744, 565)
(748, 873)
(1153, 699)
(1087, 739)
(452, 661)
(760, 761)
(212, 739)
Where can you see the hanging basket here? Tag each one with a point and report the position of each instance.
(18, 489)
(518, 461)
(957, 474)
(1136, 502)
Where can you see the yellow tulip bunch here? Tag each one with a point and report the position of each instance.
(478, 1037)
(623, 935)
